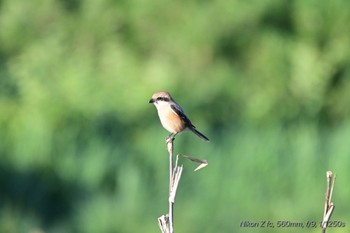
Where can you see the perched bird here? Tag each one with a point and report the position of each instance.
(172, 116)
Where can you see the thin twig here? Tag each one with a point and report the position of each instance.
(331, 192)
(328, 205)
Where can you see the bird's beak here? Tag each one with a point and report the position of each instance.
(151, 101)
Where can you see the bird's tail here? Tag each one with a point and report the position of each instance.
(199, 134)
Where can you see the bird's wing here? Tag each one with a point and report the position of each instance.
(178, 110)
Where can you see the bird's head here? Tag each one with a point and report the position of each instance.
(160, 98)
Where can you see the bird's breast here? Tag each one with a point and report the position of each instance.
(170, 120)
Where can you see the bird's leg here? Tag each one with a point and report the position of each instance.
(171, 137)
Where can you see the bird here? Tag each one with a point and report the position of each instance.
(172, 116)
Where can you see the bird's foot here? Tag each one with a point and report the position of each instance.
(170, 138)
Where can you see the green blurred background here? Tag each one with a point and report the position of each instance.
(81, 150)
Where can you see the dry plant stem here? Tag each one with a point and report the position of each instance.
(328, 205)
(162, 222)
(177, 171)
(166, 222)
(170, 144)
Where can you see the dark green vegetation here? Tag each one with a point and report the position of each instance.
(81, 150)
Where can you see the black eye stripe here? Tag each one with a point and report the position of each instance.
(163, 99)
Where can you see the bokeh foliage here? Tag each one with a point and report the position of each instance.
(81, 150)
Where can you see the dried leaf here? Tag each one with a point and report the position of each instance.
(202, 162)
(201, 166)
